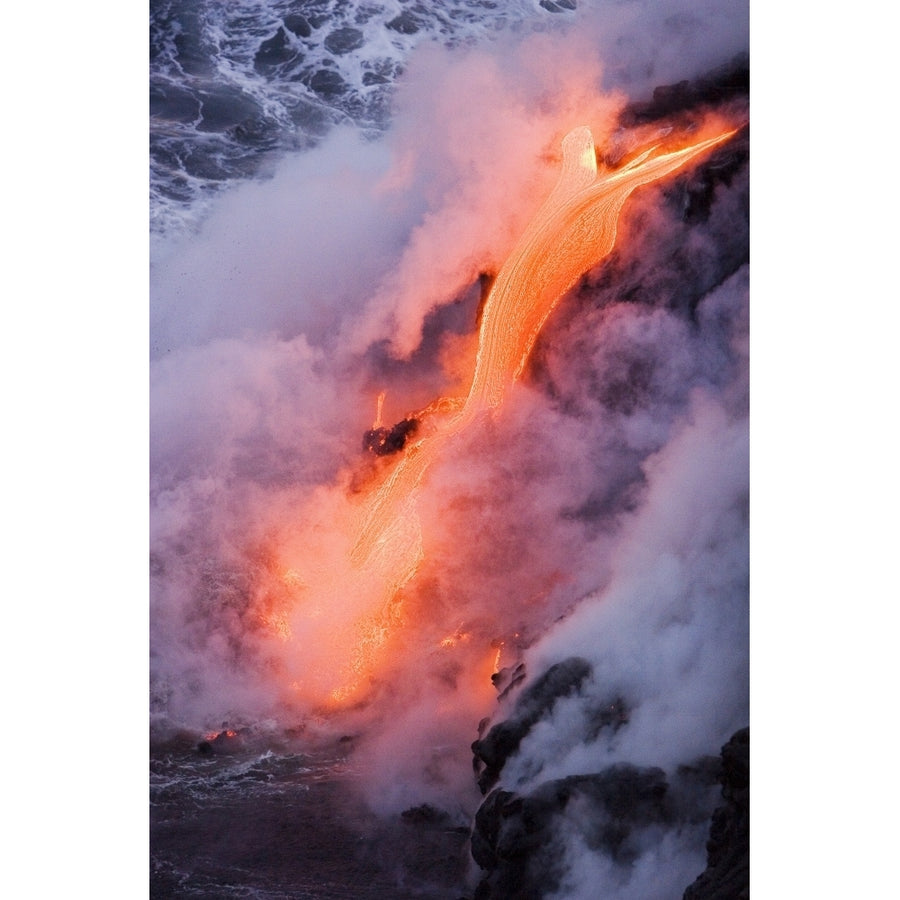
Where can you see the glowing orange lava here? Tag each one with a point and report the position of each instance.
(572, 232)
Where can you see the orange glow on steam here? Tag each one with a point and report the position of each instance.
(349, 606)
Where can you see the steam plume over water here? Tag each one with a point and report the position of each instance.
(601, 513)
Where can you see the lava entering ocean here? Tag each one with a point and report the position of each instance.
(572, 232)
(449, 438)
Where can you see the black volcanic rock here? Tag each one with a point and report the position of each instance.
(507, 679)
(719, 86)
(726, 88)
(727, 874)
(385, 441)
(224, 742)
(535, 702)
(517, 839)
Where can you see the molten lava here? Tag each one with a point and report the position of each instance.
(572, 232)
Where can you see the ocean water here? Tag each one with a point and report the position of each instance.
(234, 86)
(263, 819)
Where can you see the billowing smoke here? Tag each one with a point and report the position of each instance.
(601, 515)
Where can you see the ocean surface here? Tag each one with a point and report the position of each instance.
(256, 817)
(234, 86)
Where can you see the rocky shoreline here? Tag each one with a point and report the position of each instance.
(519, 838)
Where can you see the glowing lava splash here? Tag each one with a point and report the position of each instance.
(572, 232)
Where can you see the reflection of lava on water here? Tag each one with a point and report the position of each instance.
(574, 229)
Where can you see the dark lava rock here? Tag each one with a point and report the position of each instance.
(344, 40)
(273, 53)
(535, 702)
(699, 187)
(726, 87)
(298, 24)
(507, 679)
(516, 839)
(224, 742)
(721, 85)
(405, 23)
(694, 789)
(727, 874)
(385, 441)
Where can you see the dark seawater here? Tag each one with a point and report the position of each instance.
(252, 821)
(235, 85)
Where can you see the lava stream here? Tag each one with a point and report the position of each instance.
(572, 232)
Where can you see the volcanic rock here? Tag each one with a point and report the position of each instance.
(721, 85)
(727, 87)
(727, 874)
(508, 678)
(517, 839)
(535, 702)
(224, 742)
(385, 441)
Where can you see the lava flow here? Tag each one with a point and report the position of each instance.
(572, 232)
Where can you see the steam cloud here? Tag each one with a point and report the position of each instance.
(603, 514)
